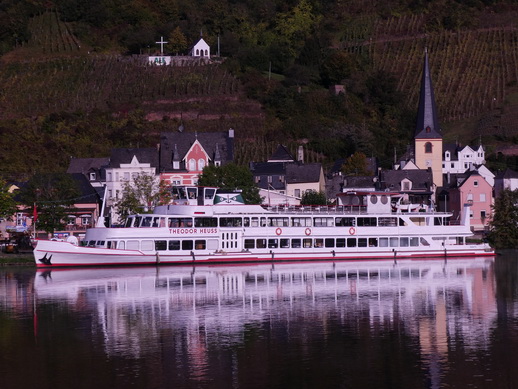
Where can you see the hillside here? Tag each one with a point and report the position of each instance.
(65, 92)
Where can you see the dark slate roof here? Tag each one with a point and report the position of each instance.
(427, 126)
(457, 180)
(453, 149)
(359, 182)
(124, 156)
(88, 194)
(85, 165)
(215, 144)
(421, 179)
(268, 168)
(282, 154)
(300, 173)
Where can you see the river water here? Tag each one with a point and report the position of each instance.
(410, 324)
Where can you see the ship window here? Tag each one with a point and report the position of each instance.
(146, 222)
(121, 245)
(366, 222)
(255, 222)
(205, 222)
(387, 222)
(137, 221)
(373, 242)
(187, 245)
(307, 243)
(374, 199)
(345, 222)
(160, 245)
(323, 222)
(263, 222)
(414, 242)
(174, 245)
(424, 242)
(200, 244)
(246, 222)
(230, 222)
(383, 242)
(319, 242)
(296, 243)
(273, 243)
(128, 222)
(180, 222)
(394, 242)
(351, 242)
(330, 242)
(212, 244)
(285, 243)
(340, 242)
(249, 244)
(147, 245)
(384, 199)
(261, 243)
(301, 222)
(133, 245)
(278, 221)
(362, 242)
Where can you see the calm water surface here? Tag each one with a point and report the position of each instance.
(413, 324)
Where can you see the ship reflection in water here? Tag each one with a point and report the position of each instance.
(344, 324)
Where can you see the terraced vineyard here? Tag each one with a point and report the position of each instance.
(94, 82)
(472, 71)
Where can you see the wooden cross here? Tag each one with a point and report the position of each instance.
(162, 43)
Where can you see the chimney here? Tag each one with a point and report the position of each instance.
(300, 154)
(230, 132)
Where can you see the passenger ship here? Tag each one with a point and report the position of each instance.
(206, 225)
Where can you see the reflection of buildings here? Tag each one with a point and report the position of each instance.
(432, 300)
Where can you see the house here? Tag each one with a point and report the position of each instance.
(508, 179)
(183, 155)
(126, 164)
(415, 186)
(286, 179)
(94, 169)
(469, 187)
(458, 159)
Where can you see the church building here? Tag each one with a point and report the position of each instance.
(428, 136)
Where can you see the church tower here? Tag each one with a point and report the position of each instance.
(428, 137)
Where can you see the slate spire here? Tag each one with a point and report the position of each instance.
(427, 126)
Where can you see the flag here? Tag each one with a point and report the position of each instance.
(34, 214)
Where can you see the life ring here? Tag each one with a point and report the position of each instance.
(308, 231)
(352, 231)
(278, 231)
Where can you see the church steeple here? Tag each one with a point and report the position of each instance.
(427, 126)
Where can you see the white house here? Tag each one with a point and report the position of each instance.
(457, 159)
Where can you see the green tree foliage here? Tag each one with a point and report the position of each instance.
(7, 201)
(503, 227)
(311, 197)
(140, 195)
(231, 177)
(177, 41)
(54, 194)
(356, 165)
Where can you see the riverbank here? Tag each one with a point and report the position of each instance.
(17, 259)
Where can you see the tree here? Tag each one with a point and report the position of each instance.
(356, 165)
(503, 227)
(312, 197)
(7, 202)
(53, 194)
(177, 41)
(232, 177)
(140, 195)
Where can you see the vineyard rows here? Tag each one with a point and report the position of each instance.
(471, 70)
(93, 82)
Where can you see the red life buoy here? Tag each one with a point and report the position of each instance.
(278, 231)
(308, 231)
(352, 231)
